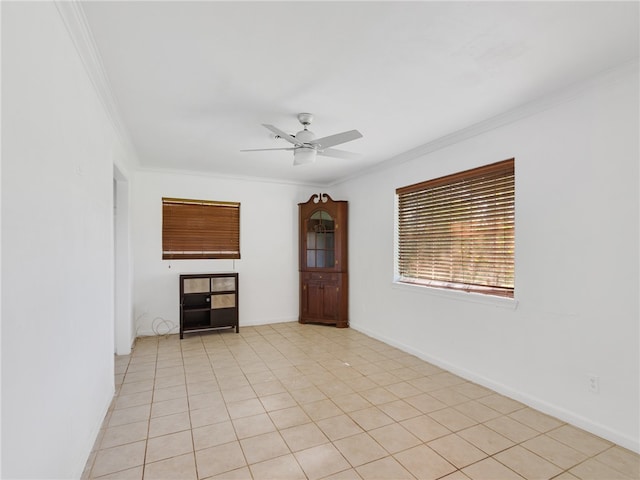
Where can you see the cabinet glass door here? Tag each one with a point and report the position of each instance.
(320, 240)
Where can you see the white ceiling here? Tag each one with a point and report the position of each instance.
(194, 81)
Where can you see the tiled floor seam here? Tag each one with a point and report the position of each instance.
(186, 387)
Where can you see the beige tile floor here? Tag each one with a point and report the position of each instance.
(291, 401)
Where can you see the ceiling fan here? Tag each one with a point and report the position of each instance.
(306, 146)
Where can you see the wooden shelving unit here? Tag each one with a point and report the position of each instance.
(208, 302)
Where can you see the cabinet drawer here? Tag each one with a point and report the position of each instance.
(321, 276)
(196, 285)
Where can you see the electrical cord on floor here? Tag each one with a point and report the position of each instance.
(160, 326)
(167, 326)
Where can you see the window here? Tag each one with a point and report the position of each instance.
(194, 229)
(458, 231)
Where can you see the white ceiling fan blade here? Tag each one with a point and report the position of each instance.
(266, 149)
(338, 138)
(332, 152)
(282, 134)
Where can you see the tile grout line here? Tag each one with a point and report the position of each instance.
(153, 393)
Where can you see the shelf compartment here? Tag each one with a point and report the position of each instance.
(196, 300)
(196, 319)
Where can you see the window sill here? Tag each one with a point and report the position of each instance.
(493, 300)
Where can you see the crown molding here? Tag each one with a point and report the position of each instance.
(78, 28)
(75, 20)
(526, 110)
(223, 176)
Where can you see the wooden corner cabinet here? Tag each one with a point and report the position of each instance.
(324, 285)
(208, 301)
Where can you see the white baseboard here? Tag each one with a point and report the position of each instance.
(245, 323)
(262, 321)
(572, 418)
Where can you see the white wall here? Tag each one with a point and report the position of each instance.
(576, 263)
(268, 268)
(58, 150)
(124, 328)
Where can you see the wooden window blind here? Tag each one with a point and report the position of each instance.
(458, 231)
(193, 229)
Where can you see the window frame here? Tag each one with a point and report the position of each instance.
(207, 241)
(449, 288)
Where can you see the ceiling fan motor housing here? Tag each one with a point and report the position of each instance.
(305, 136)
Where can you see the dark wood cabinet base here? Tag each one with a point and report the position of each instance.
(341, 324)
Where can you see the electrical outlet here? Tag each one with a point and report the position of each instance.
(594, 384)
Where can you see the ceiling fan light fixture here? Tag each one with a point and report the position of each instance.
(304, 155)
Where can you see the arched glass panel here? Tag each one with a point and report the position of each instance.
(320, 240)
